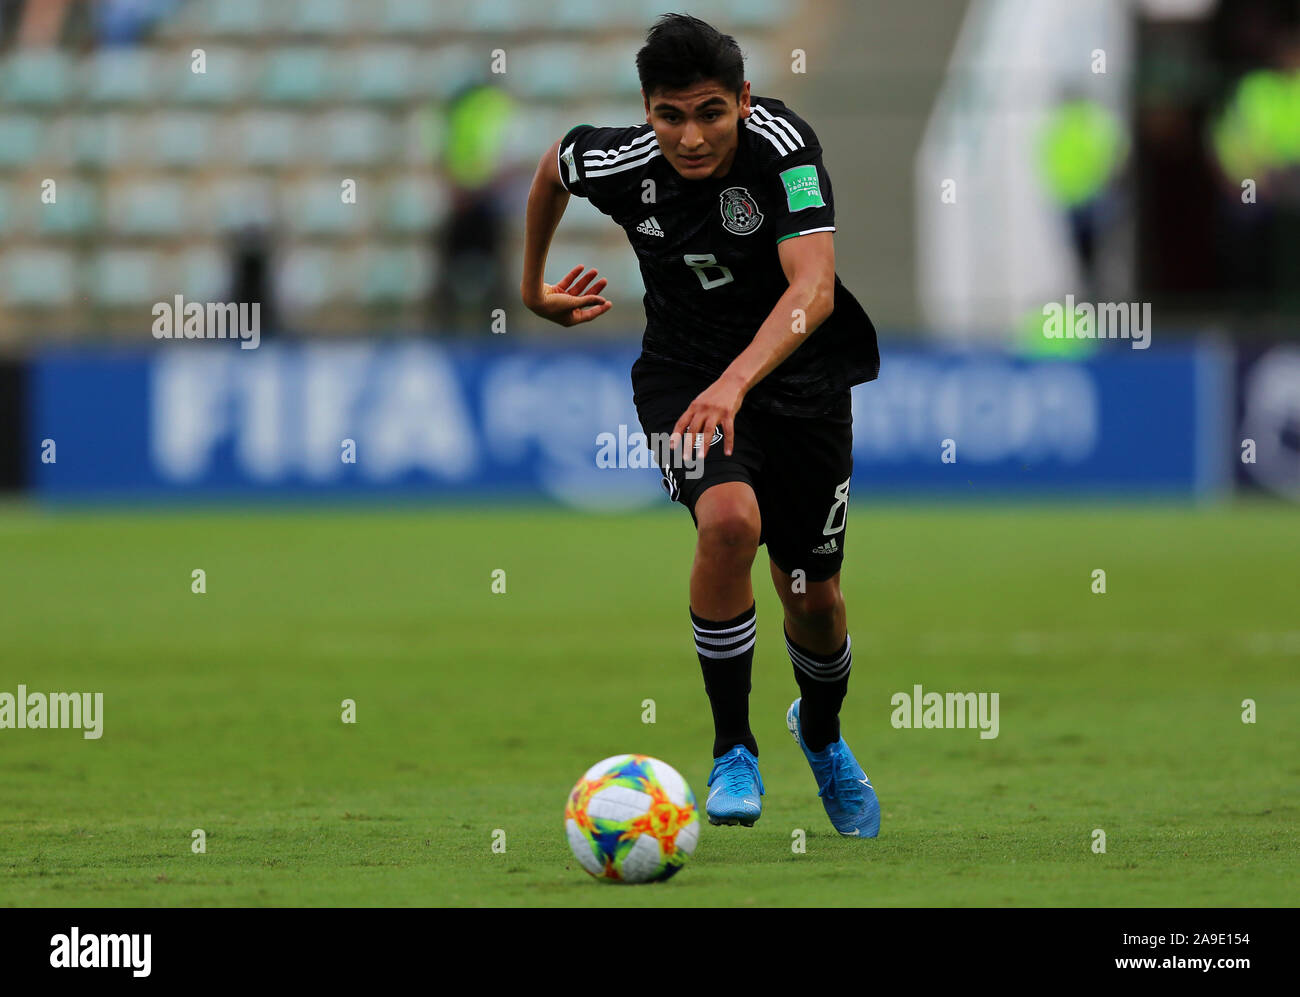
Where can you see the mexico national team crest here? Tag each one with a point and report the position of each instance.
(740, 212)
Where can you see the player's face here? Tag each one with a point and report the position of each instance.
(698, 128)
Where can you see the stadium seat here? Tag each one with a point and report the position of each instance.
(312, 276)
(301, 75)
(394, 274)
(418, 139)
(612, 71)
(748, 14)
(183, 22)
(492, 17)
(315, 207)
(448, 68)
(75, 210)
(203, 273)
(234, 202)
(548, 70)
(182, 139)
(36, 76)
(765, 67)
(268, 138)
(41, 277)
(415, 17)
(119, 75)
(153, 206)
(413, 204)
(631, 16)
(58, 141)
(588, 16)
(20, 139)
(533, 128)
(234, 18)
(227, 79)
(385, 73)
(319, 17)
(350, 138)
(119, 277)
(97, 140)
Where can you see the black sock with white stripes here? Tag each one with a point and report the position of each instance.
(823, 682)
(726, 652)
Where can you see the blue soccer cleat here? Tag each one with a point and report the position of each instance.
(845, 790)
(738, 796)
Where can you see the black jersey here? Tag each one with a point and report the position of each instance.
(708, 251)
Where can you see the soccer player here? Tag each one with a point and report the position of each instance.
(726, 202)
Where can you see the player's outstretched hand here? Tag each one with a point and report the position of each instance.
(570, 302)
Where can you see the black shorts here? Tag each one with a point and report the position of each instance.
(799, 468)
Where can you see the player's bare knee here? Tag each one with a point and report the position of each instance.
(729, 523)
(820, 608)
(730, 531)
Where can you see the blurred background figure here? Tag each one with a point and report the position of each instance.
(127, 22)
(1256, 140)
(1079, 156)
(251, 277)
(1214, 123)
(473, 238)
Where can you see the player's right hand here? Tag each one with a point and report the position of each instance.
(569, 302)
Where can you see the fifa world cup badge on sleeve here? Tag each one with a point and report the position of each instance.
(802, 188)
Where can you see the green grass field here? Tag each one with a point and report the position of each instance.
(478, 711)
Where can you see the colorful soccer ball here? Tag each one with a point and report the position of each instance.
(632, 819)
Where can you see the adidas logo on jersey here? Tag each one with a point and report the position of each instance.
(650, 227)
(829, 547)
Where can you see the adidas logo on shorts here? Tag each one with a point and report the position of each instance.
(829, 547)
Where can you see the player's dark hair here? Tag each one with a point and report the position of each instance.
(681, 50)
